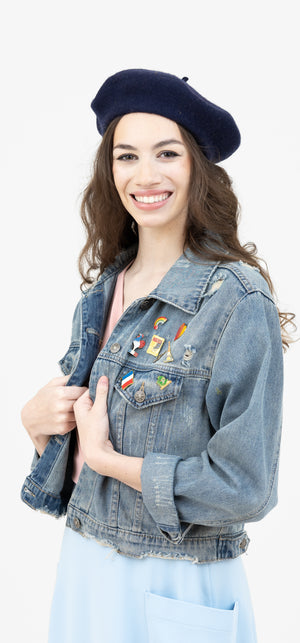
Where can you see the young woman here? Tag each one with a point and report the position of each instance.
(173, 379)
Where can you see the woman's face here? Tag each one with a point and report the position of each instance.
(151, 170)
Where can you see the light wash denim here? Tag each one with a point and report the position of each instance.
(210, 438)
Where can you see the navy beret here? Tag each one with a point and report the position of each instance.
(156, 92)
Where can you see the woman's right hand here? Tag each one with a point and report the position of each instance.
(50, 411)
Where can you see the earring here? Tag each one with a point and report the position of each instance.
(133, 227)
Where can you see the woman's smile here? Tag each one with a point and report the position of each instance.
(151, 170)
(150, 199)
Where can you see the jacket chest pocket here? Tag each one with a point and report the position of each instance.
(141, 388)
(148, 413)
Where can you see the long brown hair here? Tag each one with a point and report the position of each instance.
(211, 226)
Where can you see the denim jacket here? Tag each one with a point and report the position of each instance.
(195, 388)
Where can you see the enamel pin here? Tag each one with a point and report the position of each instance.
(158, 321)
(138, 342)
(140, 395)
(169, 356)
(162, 382)
(180, 331)
(155, 345)
(127, 380)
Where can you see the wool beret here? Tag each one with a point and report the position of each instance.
(156, 92)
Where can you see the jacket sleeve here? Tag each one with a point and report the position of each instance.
(49, 484)
(235, 478)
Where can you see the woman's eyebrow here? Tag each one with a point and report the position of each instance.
(168, 141)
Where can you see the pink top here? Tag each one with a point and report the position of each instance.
(116, 310)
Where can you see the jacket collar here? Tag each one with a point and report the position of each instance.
(183, 285)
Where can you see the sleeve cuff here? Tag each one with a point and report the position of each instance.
(157, 477)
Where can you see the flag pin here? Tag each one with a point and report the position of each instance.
(127, 380)
(162, 381)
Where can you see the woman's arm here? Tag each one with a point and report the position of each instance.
(98, 452)
(235, 478)
(50, 411)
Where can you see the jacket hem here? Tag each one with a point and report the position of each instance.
(198, 549)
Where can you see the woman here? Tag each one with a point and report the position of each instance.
(173, 378)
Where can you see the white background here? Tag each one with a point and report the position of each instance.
(241, 55)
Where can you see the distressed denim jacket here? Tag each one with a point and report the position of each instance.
(195, 388)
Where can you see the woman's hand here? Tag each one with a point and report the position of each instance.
(50, 411)
(93, 430)
(93, 426)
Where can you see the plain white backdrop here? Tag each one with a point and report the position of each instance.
(55, 55)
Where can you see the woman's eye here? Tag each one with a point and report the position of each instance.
(126, 157)
(168, 154)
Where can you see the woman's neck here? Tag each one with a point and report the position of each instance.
(157, 252)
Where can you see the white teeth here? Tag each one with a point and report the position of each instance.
(152, 199)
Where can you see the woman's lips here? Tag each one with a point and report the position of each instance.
(150, 201)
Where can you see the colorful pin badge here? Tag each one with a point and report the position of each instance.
(162, 382)
(158, 321)
(138, 342)
(180, 331)
(127, 380)
(140, 395)
(169, 356)
(155, 345)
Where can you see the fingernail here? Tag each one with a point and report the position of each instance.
(103, 382)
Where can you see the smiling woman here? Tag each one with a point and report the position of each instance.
(153, 176)
(178, 422)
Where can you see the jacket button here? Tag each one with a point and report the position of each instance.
(243, 543)
(76, 523)
(115, 347)
(146, 303)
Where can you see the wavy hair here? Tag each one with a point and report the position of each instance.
(211, 225)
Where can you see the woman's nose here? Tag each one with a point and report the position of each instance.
(147, 173)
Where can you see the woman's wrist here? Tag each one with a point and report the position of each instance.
(40, 442)
(126, 469)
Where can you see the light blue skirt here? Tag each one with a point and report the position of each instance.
(105, 597)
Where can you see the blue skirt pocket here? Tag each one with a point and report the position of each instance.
(177, 621)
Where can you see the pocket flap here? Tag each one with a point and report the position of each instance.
(142, 388)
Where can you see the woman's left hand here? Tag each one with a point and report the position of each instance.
(93, 427)
(98, 451)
